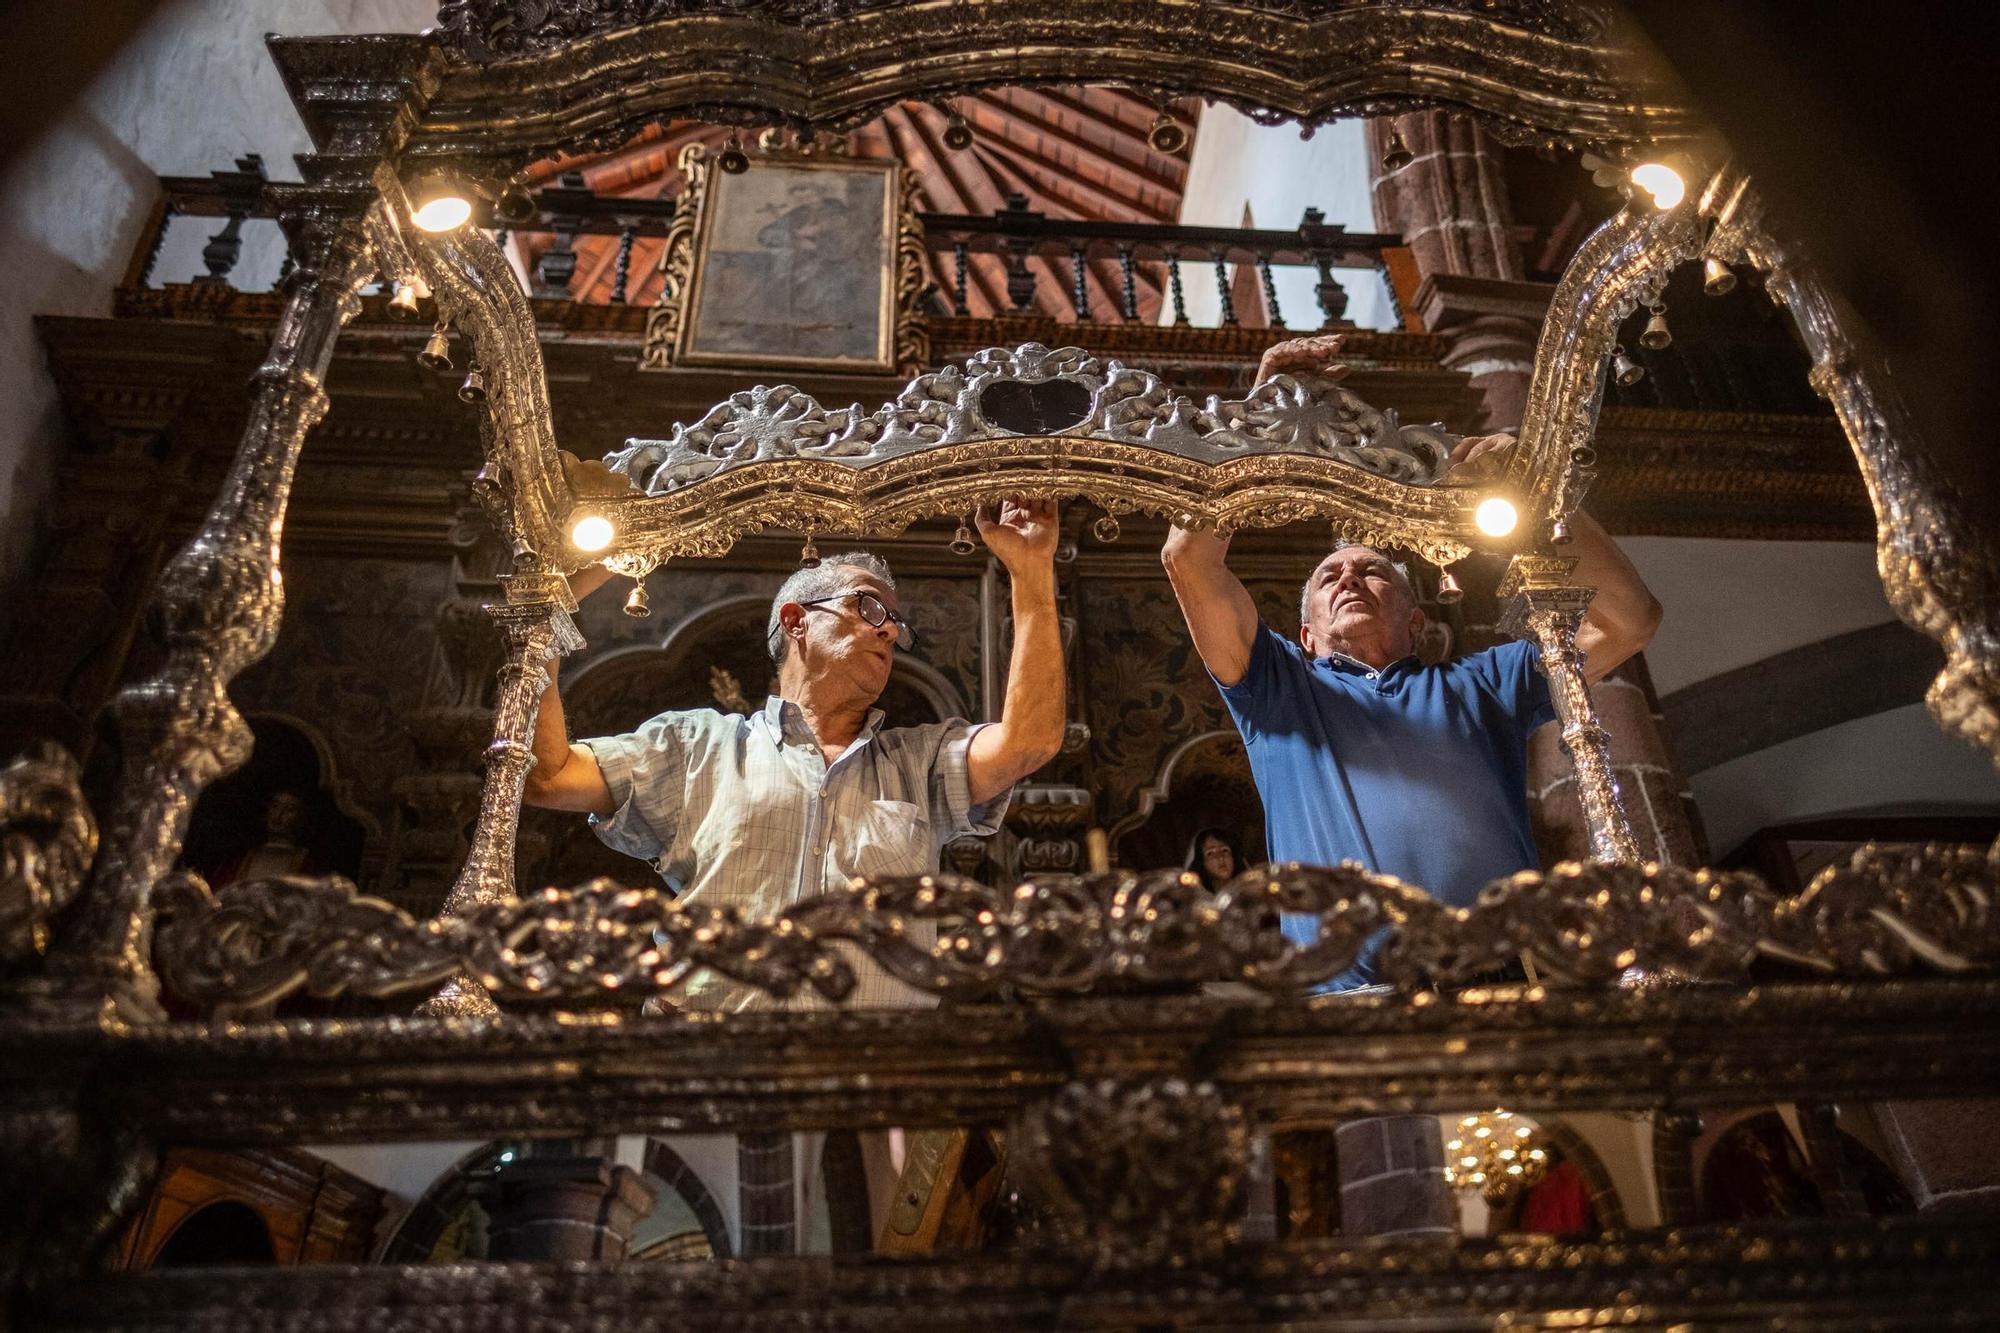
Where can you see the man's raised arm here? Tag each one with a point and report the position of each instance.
(1023, 537)
(1219, 612)
(566, 776)
(1624, 614)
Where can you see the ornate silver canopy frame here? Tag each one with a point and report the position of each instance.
(381, 108)
(91, 1091)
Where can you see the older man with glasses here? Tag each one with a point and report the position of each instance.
(758, 812)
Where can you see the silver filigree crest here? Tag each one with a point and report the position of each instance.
(1127, 405)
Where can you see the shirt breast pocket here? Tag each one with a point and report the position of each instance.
(889, 838)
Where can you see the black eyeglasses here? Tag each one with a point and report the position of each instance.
(873, 610)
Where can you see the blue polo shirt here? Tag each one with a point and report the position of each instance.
(1414, 771)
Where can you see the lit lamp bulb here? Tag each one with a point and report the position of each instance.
(1662, 182)
(1496, 516)
(592, 532)
(442, 208)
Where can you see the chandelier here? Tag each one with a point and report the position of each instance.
(1494, 1153)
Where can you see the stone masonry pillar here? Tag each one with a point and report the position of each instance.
(1657, 801)
(561, 1208)
(1450, 204)
(1392, 1178)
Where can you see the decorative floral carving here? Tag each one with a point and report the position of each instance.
(1883, 913)
(1135, 1175)
(48, 837)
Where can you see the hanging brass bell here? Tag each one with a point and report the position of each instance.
(403, 301)
(809, 555)
(515, 205)
(1167, 135)
(1717, 278)
(1397, 155)
(636, 605)
(1106, 529)
(474, 388)
(1657, 337)
(1559, 533)
(962, 541)
(957, 133)
(437, 350)
(733, 160)
(1448, 589)
(1624, 369)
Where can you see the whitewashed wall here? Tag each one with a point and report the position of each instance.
(1237, 163)
(192, 92)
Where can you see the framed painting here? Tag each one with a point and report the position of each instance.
(795, 262)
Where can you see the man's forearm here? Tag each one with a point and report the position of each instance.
(1035, 708)
(1624, 613)
(551, 744)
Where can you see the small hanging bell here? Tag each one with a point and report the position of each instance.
(1657, 337)
(1397, 155)
(474, 388)
(1624, 369)
(732, 159)
(1106, 529)
(1583, 456)
(957, 133)
(809, 554)
(1167, 136)
(1559, 534)
(636, 605)
(437, 350)
(1717, 278)
(515, 205)
(962, 541)
(1448, 589)
(403, 303)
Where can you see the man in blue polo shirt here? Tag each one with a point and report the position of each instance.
(1361, 752)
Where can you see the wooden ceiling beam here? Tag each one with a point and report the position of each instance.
(1137, 175)
(913, 147)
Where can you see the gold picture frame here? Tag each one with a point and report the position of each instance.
(806, 260)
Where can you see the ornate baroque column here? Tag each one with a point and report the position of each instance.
(1541, 603)
(218, 603)
(536, 621)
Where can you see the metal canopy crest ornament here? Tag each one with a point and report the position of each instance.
(1041, 422)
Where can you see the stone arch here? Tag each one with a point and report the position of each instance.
(1205, 780)
(415, 1238)
(225, 1231)
(1604, 1197)
(662, 1161)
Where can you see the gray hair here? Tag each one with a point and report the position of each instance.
(1402, 572)
(822, 580)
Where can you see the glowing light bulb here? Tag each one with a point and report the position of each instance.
(443, 212)
(1662, 182)
(1495, 516)
(592, 532)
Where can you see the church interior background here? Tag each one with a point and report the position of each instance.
(1816, 1153)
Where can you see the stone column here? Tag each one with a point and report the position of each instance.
(1449, 202)
(1674, 1133)
(1657, 802)
(767, 1194)
(1392, 1178)
(554, 1209)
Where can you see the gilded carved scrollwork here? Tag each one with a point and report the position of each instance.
(1135, 1175)
(523, 81)
(48, 837)
(1882, 913)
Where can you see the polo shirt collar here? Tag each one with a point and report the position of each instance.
(786, 721)
(1340, 661)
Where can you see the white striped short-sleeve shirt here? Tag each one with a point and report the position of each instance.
(746, 812)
